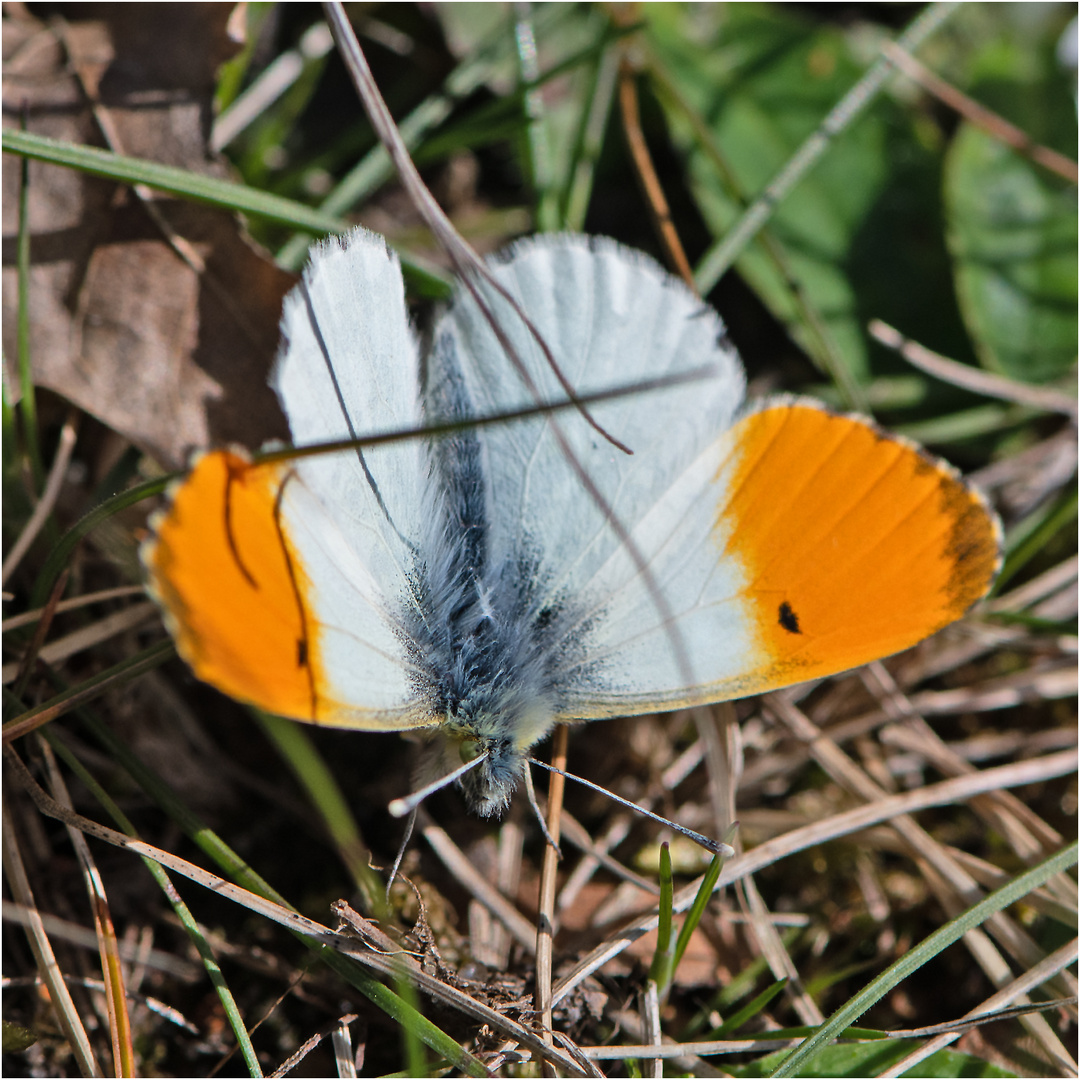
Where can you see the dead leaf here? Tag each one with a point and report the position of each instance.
(158, 317)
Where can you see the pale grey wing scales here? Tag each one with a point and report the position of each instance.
(348, 366)
(610, 317)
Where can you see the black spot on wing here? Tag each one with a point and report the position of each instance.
(788, 619)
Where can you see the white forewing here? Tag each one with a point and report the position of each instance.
(610, 317)
(348, 366)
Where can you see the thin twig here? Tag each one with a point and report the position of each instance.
(646, 174)
(980, 115)
(969, 378)
(545, 924)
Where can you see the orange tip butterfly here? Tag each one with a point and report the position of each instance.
(471, 586)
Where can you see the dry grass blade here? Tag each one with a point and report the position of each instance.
(1055, 962)
(113, 975)
(979, 115)
(27, 618)
(545, 927)
(47, 503)
(972, 378)
(89, 636)
(48, 968)
(77, 934)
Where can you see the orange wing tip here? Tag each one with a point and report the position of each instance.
(232, 590)
(857, 543)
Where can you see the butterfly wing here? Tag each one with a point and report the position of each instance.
(611, 317)
(764, 550)
(801, 544)
(283, 584)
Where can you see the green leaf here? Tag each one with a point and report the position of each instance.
(1013, 235)
(853, 237)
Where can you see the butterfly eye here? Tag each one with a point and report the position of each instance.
(469, 749)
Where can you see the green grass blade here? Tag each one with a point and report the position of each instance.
(912, 960)
(189, 185)
(299, 752)
(663, 966)
(748, 1011)
(1034, 535)
(697, 909)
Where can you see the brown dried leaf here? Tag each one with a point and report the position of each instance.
(156, 316)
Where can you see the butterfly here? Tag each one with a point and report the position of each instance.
(490, 582)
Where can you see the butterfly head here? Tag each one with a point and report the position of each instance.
(498, 727)
(487, 787)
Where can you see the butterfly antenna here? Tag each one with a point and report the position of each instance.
(401, 807)
(713, 846)
(531, 792)
(401, 852)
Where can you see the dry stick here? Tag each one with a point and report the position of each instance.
(57, 475)
(979, 115)
(646, 173)
(545, 926)
(969, 378)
